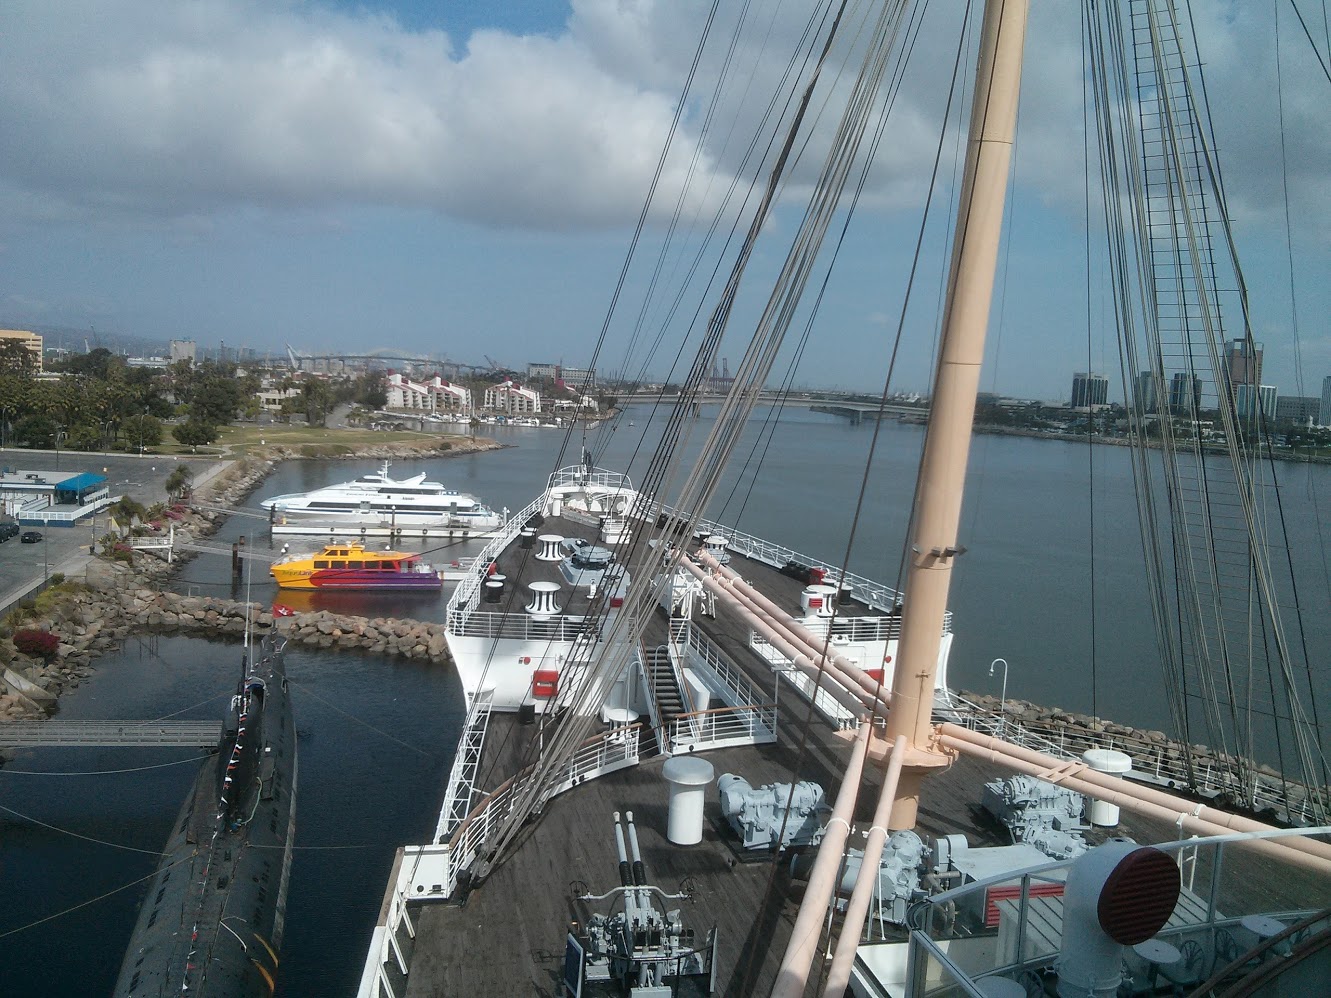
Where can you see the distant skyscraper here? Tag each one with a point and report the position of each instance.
(1243, 362)
(183, 350)
(1297, 409)
(1146, 393)
(1089, 390)
(1247, 398)
(1185, 394)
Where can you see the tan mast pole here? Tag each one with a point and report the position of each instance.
(952, 410)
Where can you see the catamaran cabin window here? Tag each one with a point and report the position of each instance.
(371, 564)
(321, 564)
(355, 564)
(339, 564)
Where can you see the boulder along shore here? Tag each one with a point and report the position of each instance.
(123, 594)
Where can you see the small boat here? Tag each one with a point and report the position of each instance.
(351, 566)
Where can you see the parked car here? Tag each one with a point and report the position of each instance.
(31, 537)
(8, 530)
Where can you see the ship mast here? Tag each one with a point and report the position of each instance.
(934, 544)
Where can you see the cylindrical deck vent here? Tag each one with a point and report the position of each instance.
(527, 537)
(494, 591)
(689, 778)
(716, 545)
(543, 602)
(1105, 761)
(816, 601)
(844, 591)
(550, 547)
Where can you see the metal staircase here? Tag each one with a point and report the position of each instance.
(462, 776)
(666, 695)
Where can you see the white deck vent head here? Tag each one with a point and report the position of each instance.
(543, 599)
(550, 548)
(816, 601)
(688, 777)
(1118, 894)
(1105, 761)
(717, 546)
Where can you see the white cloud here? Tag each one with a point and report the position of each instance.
(181, 110)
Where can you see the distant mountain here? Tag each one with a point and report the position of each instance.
(72, 339)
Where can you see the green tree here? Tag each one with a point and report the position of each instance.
(179, 481)
(317, 399)
(371, 391)
(216, 400)
(142, 431)
(16, 358)
(84, 436)
(35, 430)
(194, 432)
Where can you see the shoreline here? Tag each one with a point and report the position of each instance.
(93, 616)
(995, 430)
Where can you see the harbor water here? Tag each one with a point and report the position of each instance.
(377, 734)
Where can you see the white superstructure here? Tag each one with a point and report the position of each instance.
(376, 499)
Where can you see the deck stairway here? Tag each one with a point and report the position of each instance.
(666, 694)
(462, 777)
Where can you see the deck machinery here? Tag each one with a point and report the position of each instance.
(637, 950)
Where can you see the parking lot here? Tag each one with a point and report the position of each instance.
(65, 549)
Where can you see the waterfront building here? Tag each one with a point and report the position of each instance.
(434, 395)
(1255, 402)
(31, 340)
(511, 397)
(1243, 362)
(1146, 393)
(1300, 409)
(1089, 391)
(183, 350)
(579, 377)
(271, 400)
(1185, 393)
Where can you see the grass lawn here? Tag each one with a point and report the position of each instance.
(239, 441)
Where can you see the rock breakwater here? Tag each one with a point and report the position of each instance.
(120, 598)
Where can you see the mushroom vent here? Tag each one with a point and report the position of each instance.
(1138, 897)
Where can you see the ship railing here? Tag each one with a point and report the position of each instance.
(1011, 924)
(606, 753)
(844, 628)
(466, 765)
(467, 595)
(578, 476)
(388, 959)
(1158, 760)
(705, 658)
(723, 727)
(875, 594)
(824, 702)
(525, 626)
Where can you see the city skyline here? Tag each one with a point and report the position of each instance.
(331, 174)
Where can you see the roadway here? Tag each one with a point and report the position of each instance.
(25, 567)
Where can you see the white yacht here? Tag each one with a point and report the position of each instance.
(375, 500)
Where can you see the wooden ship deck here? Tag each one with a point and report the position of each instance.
(507, 934)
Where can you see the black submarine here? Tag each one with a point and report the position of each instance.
(212, 920)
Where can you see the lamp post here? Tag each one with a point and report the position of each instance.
(59, 432)
(1002, 707)
(5, 412)
(142, 419)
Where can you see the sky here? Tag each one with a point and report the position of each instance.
(462, 179)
